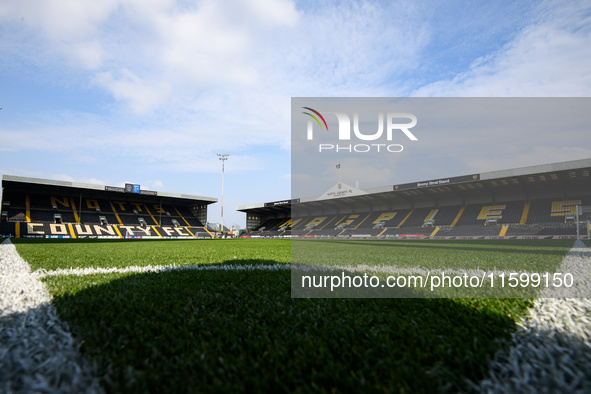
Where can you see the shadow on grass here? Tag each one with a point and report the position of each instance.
(241, 331)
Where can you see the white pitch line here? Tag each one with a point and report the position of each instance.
(551, 350)
(394, 270)
(37, 353)
(159, 268)
(41, 273)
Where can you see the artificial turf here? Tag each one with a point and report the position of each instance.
(51, 254)
(241, 331)
(517, 255)
(213, 331)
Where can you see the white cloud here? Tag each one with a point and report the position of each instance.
(89, 53)
(551, 57)
(68, 27)
(156, 184)
(209, 74)
(141, 96)
(68, 178)
(189, 51)
(60, 20)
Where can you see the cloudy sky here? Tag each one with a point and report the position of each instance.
(148, 91)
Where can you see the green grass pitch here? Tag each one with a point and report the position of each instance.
(240, 331)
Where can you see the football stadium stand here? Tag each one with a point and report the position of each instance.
(47, 208)
(530, 202)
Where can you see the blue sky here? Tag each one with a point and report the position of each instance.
(148, 91)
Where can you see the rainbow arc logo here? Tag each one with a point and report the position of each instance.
(315, 118)
(388, 123)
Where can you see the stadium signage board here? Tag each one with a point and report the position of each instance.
(438, 182)
(114, 189)
(341, 190)
(130, 190)
(282, 202)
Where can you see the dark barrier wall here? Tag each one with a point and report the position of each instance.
(7, 228)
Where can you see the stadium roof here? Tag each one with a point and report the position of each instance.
(573, 176)
(75, 188)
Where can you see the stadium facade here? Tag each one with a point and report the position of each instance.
(39, 208)
(544, 201)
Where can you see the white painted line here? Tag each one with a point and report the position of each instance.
(41, 273)
(160, 268)
(551, 350)
(37, 353)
